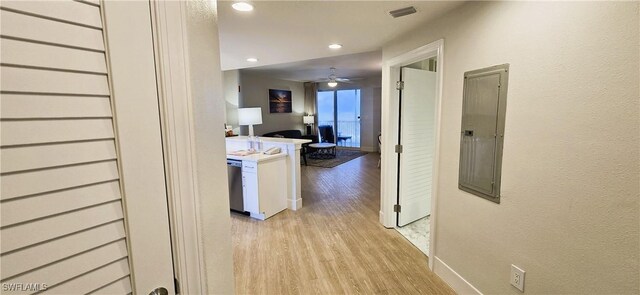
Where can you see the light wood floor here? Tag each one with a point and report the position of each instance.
(333, 245)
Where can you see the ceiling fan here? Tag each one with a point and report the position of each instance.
(333, 80)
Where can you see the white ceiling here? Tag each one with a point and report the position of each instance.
(359, 65)
(279, 32)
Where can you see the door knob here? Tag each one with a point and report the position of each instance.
(159, 291)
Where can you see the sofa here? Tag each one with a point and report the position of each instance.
(296, 134)
(285, 134)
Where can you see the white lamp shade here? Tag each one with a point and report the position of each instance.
(308, 119)
(249, 116)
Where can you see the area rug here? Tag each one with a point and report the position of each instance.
(342, 156)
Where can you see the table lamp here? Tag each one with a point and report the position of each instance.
(308, 120)
(250, 117)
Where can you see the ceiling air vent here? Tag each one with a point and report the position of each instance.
(403, 11)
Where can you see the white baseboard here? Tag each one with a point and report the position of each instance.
(369, 149)
(295, 204)
(452, 278)
(383, 221)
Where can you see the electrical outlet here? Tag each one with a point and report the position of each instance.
(517, 277)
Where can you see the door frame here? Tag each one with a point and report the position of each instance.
(175, 119)
(168, 21)
(136, 125)
(390, 116)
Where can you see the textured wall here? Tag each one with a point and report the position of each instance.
(570, 178)
(231, 82)
(209, 115)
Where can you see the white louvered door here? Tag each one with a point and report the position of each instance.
(417, 135)
(63, 162)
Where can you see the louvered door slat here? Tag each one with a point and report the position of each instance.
(25, 132)
(75, 266)
(53, 155)
(54, 82)
(121, 286)
(19, 262)
(25, 106)
(50, 180)
(61, 210)
(16, 52)
(35, 29)
(64, 10)
(23, 235)
(45, 205)
(95, 279)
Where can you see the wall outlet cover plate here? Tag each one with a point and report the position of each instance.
(517, 277)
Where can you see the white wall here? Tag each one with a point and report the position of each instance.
(570, 189)
(254, 92)
(209, 115)
(369, 109)
(231, 84)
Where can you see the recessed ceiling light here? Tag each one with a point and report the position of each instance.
(335, 46)
(252, 59)
(242, 6)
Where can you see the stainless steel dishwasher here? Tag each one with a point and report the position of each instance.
(234, 170)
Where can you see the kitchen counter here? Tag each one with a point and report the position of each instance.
(244, 139)
(258, 157)
(291, 148)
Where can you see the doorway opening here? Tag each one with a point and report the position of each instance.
(340, 109)
(416, 136)
(408, 137)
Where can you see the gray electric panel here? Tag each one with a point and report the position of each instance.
(483, 113)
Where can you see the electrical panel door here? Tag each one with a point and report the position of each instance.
(482, 134)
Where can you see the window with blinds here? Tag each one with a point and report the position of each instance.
(61, 216)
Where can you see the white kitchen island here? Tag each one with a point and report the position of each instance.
(291, 148)
(264, 184)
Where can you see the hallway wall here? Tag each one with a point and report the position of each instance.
(231, 84)
(569, 208)
(209, 115)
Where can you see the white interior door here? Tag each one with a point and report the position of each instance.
(83, 202)
(417, 137)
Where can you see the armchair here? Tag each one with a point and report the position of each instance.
(325, 134)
